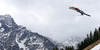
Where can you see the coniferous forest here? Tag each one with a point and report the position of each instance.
(91, 38)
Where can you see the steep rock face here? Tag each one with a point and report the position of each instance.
(14, 37)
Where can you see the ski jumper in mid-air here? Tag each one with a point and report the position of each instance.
(80, 11)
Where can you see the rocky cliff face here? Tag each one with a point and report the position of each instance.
(15, 37)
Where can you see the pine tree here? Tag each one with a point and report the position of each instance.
(61, 49)
(91, 37)
(99, 32)
(72, 48)
(88, 40)
(66, 48)
(53, 48)
(95, 36)
(69, 48)
(56, 48)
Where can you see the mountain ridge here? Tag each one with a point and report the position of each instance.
(15, 37)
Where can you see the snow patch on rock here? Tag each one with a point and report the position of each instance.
(2, 29)
(21, 44)
(0, 24)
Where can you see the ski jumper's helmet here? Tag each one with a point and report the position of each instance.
(70, 7)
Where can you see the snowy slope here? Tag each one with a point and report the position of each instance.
(15, 37)
(97, 47)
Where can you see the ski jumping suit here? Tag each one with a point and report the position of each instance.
(80, 11)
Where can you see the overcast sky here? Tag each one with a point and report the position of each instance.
(53, 18)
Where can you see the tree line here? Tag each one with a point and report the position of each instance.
(66, 48)
(91, 38)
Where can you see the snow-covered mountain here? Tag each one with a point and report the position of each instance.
(15, 37)
(72, 41)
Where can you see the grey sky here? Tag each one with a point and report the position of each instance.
(53, 18)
